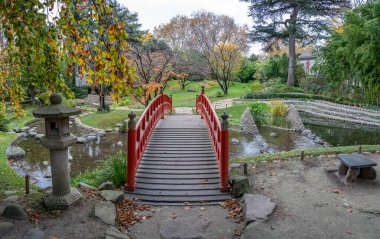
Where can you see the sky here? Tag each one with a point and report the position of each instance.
(152, 13)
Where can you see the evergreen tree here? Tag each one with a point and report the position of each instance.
(291, 21)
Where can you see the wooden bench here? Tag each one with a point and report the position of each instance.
(356, 165)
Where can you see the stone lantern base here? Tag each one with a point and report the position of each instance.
(62, 202)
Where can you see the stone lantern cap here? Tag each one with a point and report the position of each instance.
(56, 109)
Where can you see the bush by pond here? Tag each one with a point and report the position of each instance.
(114, 169)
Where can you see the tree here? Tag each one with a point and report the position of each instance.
(152, 59)
(248, 69)
(291, 21)
(36, 33)
(217, 41)
(351, 57)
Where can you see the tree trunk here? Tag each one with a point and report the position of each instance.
(32, 95)
(102, 102)
(292, 61)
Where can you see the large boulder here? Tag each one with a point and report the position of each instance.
(248, 123)
(257, 207)
(106, 212)
(240, 185)
(14, 152)
(15, 211)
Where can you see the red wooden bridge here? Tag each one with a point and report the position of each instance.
(177, 159)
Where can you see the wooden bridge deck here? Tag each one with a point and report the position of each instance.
(179, 165)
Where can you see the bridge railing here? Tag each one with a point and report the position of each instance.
(219, 136)
(139, 133)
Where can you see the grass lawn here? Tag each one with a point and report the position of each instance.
(15, 122)
(9, 179)
(235, 112)
(183, 98)
(106, 120)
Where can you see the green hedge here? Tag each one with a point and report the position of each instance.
(253, 95)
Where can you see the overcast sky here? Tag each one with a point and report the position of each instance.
(155, 12)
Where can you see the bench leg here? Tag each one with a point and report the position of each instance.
(342, 169)
(352, 174)
(368, 173)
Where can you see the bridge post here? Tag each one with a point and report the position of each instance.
(171, 98)
(132, 156)
(224, 187)
(202, 93)
(161, 102)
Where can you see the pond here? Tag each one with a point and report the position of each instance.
(337, 136)
(85, 156)
(264, 143)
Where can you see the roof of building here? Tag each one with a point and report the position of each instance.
(307, 55)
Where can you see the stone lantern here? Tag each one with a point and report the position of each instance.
(57, 140)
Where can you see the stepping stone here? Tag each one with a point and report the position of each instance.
(257, 207)
(34, 234)
(6, 227)
(258, 230)
(11, 199)
(113, 233)
(15, 211)
(113, 196)
(106, 212)
(81, 140)
(183, 228)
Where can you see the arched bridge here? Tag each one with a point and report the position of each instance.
(177, 159)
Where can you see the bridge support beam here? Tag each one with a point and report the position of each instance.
(132, 154)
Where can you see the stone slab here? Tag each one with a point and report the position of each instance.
(257, 207)
(106, 212)
(183, 228)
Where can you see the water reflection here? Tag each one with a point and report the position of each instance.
(84, 156)
(251, 145)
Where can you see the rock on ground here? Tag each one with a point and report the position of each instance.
(85, 185)
(113, 196)
(235, 141)
(11, 199)
(106, 212)
(107, 186)
(15, 152)
(34, 234)
(113, 233)
(257, 207)
(5, 228)
(15, 211)
(273, 134)
(183, 228)
(240, 185)
(258, 230)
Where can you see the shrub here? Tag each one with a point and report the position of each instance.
(122, 102)
(256, 86)
(219, 93)
(279, 108)
(259, 112)
(115, 168)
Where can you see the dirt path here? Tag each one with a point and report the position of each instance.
(313, 203)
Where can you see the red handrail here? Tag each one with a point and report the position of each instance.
(219, 136)
(139, 133)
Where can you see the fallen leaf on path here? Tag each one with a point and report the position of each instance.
(202, 208)
(234, 208)
(187, 207)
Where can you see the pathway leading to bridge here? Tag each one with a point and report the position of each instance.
(179, 165)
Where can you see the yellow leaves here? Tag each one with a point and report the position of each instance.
(146, 37)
